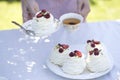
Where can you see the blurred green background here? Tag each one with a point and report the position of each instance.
(101, 10)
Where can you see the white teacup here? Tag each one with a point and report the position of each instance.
(71, 21)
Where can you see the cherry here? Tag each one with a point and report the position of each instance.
(59, 44)
(61, 50)
(39, 15)
(78, 53)
(64, 46)
(96, 42)
(47, 15)
(71, 54)
(96, 53)
(43, 10)
(96, 49)
(88, 41)
(92, 45)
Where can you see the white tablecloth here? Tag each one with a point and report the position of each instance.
(24, 59)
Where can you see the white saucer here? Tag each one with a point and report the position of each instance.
(85, 75)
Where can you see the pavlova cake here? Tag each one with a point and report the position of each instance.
(59, 54)
(75, 63)
(97, 59)
(44, 23)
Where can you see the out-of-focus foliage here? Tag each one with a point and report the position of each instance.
(9, 0)
(101, 10)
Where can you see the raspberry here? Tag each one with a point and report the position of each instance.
(96, 42)
(71, 54)
(88, 41)
(61, 50)
(47, 15)
(64, 46)
(78, 53)
(39, 15)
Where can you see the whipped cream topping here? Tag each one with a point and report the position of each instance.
(58, 57)
(91, 45)
(43, 19)
(98, 63)
(74, 65)
(90, 48)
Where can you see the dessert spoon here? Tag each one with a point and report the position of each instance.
(28, 32)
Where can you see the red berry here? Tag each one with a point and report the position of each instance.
(88, 41)
(92, 45)
(59, 44)
(44, 11)
(39, 15)
(96, 49)
(96, 53)
(65, 46)
(96, 42)
(61, 50)
(78, 53)
(71, 54)
(47, 15)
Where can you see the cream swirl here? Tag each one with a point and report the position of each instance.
(58, 57)
(74, 65)
(98, 63)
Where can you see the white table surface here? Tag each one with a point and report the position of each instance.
(24, 59)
